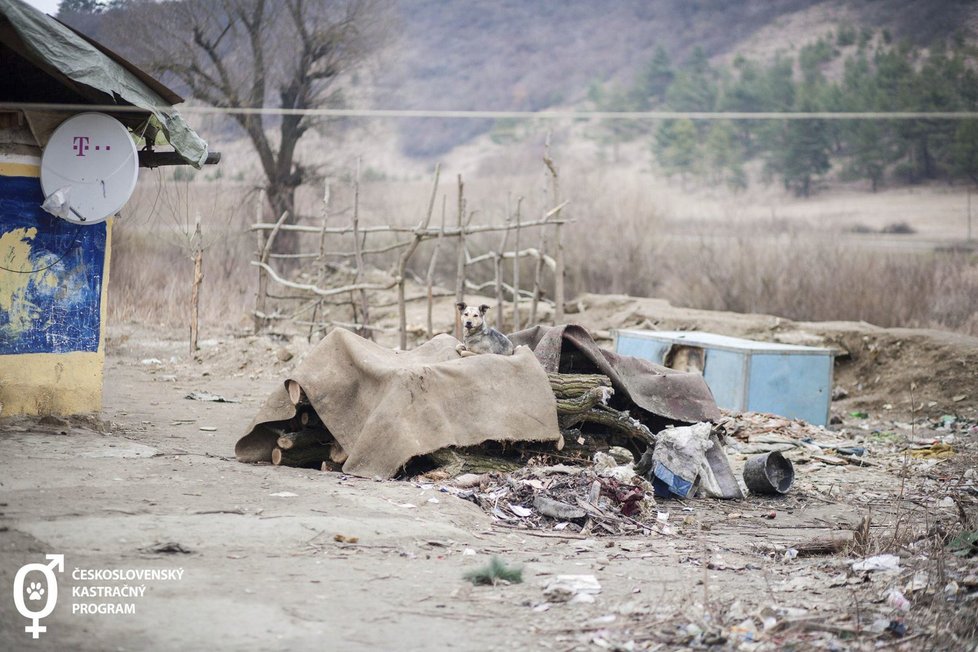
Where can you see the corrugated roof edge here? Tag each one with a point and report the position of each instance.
(75, 57)
(163, 90)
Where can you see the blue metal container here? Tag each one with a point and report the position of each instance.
(744, 375)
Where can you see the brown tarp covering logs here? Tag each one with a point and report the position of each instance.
(385, 407)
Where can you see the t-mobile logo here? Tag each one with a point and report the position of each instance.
(81, 145)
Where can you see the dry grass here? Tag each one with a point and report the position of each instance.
(151, 269)
(798, 278)
(632, 235)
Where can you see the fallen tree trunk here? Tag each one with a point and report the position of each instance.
(621, 421)
(574, 385)
(582, 398)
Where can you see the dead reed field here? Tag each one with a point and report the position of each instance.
(828, 257)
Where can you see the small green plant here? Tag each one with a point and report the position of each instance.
(964, 544)
(494, 573)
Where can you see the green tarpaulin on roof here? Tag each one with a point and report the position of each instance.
(60, 48)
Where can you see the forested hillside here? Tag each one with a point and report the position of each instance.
(682, 55)
(849, 70)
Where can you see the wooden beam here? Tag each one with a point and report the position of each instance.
(152, 159)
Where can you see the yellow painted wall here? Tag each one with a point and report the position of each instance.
(48, 383)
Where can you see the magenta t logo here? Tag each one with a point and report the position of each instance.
(80, 145)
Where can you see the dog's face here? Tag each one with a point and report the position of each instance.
(472, 318)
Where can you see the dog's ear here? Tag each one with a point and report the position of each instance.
(482, 309)
(461, 306)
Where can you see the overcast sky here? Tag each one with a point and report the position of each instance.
(47, 6)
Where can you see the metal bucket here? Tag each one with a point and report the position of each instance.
(770, 473)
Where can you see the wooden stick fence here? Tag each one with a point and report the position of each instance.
(315, 296)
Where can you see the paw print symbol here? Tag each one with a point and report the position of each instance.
(35, 590)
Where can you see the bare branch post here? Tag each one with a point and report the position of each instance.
(460, 269)
(260, 298)
(260, 313)
(406, 256)
(516, 268)
(558, 246)
(497, 262)
(320, 260)
(358, 257)
(197, 245)
(431, 269)
(544, 240)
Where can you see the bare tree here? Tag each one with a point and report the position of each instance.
(254, 54)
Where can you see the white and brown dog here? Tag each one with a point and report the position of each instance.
(478, 336)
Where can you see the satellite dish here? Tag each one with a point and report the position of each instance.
(88, 168)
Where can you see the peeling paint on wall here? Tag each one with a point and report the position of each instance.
(50, 275)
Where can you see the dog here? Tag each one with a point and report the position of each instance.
(478, 336)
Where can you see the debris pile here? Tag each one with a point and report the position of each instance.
(596, 500)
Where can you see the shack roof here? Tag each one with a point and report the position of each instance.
(75, 69)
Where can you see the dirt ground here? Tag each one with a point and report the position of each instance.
(281, 558)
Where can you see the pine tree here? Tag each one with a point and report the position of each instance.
(723, 158)
(677, 147)
(656, 77)
(81, 7)
(868, 143)
(964, 151)
(803, 155)
(695, 87)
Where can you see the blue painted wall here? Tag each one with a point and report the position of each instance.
(50, 297)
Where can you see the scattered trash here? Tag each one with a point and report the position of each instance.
(897, 600)
(878, 563)
(918, 582)
(717, 478)
(572, 588)
(679, 455)
(168, 548)
(208, 429)
(341, 538)
(621, 455)
(284, 494)
(210, 398)
(769, 474)
(936, 451)
(151, 361)
(557, 509)
(897, 627)
(494, 573)
(607, 466)
(744, 631)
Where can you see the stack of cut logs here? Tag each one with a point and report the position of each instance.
(581, 398)
(308, 444)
